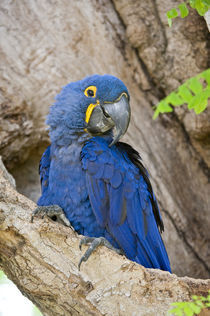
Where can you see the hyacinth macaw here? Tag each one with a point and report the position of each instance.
(96, 183)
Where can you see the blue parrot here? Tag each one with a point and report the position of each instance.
(95, 183)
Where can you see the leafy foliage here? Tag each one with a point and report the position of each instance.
(195, 92)
(190, 308)
(201, 6)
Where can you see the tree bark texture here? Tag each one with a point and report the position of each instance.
(46, 44)
(42, 260)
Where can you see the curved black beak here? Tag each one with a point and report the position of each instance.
(107, 116)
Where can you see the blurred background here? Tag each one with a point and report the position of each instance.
(12, 302)
(46, 44)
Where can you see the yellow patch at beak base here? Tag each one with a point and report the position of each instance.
(90, 110)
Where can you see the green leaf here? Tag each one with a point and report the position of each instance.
(195, 85)
(171, 14)
(195, 92)
(199, 303)
(199, 108)
(174, 99)
(185, 93)
(201, 11)
(163, 107)
(179, 304)
(196, 309)
(193, 102)
(183, 9)
(156, 114)
(201, 7)
(188, 311)
(206, 76)
(207, 2)
(203, 298)
(176, 311)
(192, 3)
(170, 22)
(201, 102)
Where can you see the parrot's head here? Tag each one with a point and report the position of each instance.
(97, 105)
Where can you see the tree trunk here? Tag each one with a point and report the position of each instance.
(45, 45)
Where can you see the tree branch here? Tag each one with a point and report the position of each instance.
(41, 258)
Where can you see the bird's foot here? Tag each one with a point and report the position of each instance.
(54, 212)
(94, 244)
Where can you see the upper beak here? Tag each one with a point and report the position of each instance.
(120, 114)
(108, 116)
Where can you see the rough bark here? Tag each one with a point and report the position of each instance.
(46, 44)
(42, 260)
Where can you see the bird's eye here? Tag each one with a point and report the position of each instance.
(90, 91)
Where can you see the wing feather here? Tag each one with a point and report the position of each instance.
(44, 168)
(123, 202)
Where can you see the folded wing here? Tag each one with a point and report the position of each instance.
(123, 201)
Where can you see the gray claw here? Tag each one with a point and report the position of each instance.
(94, 244)
(55, 212)
(85, 240)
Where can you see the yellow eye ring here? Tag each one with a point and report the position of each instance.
(90, 91)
